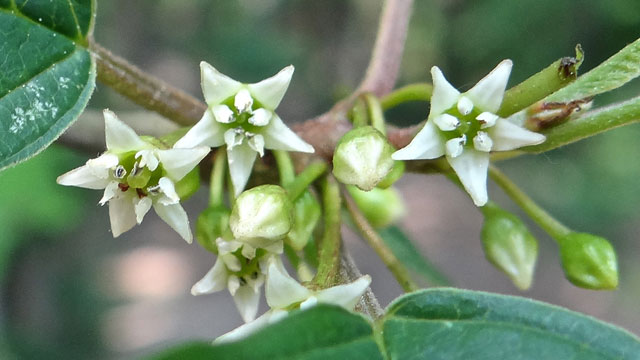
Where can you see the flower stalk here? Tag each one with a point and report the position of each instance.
(216, 192)
(301, 182)
(329, 252)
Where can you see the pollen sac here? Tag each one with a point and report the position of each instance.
(589, 261)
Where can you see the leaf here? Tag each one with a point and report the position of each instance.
(403, 249)
(322, 332)
(611, 74)
(47, 73)
(457, 324)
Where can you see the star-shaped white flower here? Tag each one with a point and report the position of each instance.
(233, 271)
(242, 117)
(284, 294)
(135, 176)
(465, 128)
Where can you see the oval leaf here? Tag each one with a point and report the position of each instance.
(456, 324)
(47, 74)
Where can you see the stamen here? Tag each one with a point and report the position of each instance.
(243, 101)
(455, 146)
(154, 190)
(447, 122)
(465, 105)
(482, 142)
(487, 119)
(119, 172)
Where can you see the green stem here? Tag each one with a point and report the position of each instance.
(329, 253)
(285, 167)
(552, 226)
(359, 114)
(375, 113)
(305, 178)
(412, 92)
(216, 192)
(374, 240)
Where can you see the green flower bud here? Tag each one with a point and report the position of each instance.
(213, 223)
(362, 158)
(589, 261)
(306, 215)
(381, 207)
(509, 245)
(189, 184)
(261, 216)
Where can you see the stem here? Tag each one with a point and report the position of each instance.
(145, 89)
(285, 167)
(349, 272)
(216, 191)
(329, 253)
(367, 231)
(412, 92)
(375, 113)
(305, 178)
(359, 114)
(552, 226)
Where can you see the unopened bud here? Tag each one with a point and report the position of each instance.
(362, 158)
(213, 223)
(394, 175)
(589, 261)
(306, 213)
(509, 245)
(381, 207)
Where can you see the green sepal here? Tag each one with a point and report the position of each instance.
(213, 223)
(394, 175)
(306, 214)
(381, 207)
(189, 184)
(589, 261)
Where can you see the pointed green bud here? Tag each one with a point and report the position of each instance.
(362, 158)
(394, 175)
(189, 184)
(306, 213)
(213, 223)
(509, 245)
(381, 207)
(589, 261)
(261, 216)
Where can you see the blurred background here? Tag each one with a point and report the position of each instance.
(69, 290)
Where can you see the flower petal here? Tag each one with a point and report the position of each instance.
(247, 301)
(241, 159)
(269, 92)
(487, 94)
(214, 280)
(121, 214)
(278, 136)
(471, 167)
(444, 94)
(346, 295)
(142, 207)
(256, 142)
(508, 136)
(119, 136)
(179, 162)
(176, 217)
(84, 177)
(110, 192)
(216, 86)
(207, 132)
(427, 144)
(169, 190)
(281, 289)
(249, 328)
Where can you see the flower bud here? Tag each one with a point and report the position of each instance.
(261, 216)
(362, 158)
(306, 215)
(509, 245)
(589, 261)
(189, 184)
(394, 175)
(381, 207)
(213, 223)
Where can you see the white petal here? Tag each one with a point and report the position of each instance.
(233, 137)
(247, 329)
(281, 289)
(465, 105)
(260, 117)
(207, 132)
(241, 159)
(119, 136)
(487, 94)
(482, 142)
(227, 247)
(223, 114)
(233, 284)
(169, 190)
(179, 162)
(309, 303)
(455, 147)
(269, 92)
(83, 177)
(487, 119)
(247, 301)
(508, 136)
(446, 122)
(346, 295)
(231, 262)
(216, 86)
(428, 144)
(110, 192)
(147, 158)
(141, 208)
(176, 217)
(256, 142)
(471, 167)
(214, 280)
(121, 215)
(444, 94)
(278, 136)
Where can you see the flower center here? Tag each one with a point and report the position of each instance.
(130, 174)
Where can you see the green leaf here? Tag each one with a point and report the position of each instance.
(322, 332)
(611, 74)
(403, 249)
(457, 324)
(47, 73)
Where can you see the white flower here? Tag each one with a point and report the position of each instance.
(242, 117)
(284, 294)
(232, 270)
(136, 176)
(465, 128)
